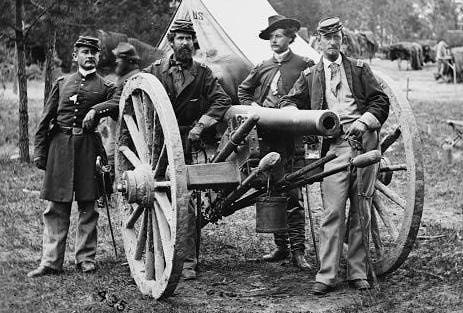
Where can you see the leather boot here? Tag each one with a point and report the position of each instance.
(299, 261)
(42, 271)
(280, 253)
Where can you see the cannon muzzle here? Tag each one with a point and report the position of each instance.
(300, 122)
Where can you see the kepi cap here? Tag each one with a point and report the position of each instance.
(126, 51)
(329, 25)
(276, 22)
(87, 41)
(184, 26)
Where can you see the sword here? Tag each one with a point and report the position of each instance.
(102, 170)
(305, 196)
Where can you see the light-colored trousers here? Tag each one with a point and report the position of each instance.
(336, 189)
(56, 220)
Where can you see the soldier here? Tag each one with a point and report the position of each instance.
(198, 101)
(66, 147)
(128, 64)
(347, 87)
(274, 78)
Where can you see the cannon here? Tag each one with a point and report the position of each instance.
(155, 184)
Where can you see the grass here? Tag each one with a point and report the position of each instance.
(232, 279)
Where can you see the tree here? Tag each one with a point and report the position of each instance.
(22, 81)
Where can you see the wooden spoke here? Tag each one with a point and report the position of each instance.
(165, 206)
(159, 255)
(141, 238)
(132, 157)
(163, 224)
(382, 212)
(149, 118)
(137, 138)
(391, 194)
(134, 216)
(139, 114)
(375, 235)
(149, 257)
(393, 168)
(390, 139)
(161, 163)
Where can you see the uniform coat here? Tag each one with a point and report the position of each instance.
(70, 159)
(308, 92)
(256, 86)
(201, 92)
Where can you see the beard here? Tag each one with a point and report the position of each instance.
(183, 54)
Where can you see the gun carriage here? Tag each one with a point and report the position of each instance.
(155, 184)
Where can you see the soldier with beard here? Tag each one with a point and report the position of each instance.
(198, 101)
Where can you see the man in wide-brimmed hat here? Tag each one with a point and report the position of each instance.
(349, 88)
(273, 78)
(199, 102)
(68, 155)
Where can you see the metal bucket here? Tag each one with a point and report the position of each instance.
(271, 214)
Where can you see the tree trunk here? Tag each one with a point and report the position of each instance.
(49, 59)
(15, 70)
(22, 80)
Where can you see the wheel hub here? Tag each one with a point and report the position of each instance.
(138, 185)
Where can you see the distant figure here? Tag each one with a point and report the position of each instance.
(443, 58)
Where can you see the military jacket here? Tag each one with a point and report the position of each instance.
(308, 91)
(257, 85)
(70, 165)
(201, 93)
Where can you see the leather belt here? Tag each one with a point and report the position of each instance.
(76, 131)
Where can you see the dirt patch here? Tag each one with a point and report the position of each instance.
(232, 279)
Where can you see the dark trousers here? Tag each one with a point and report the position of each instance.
(295, 236)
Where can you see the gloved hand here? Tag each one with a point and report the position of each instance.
(40, 163)
(195, 133)
(357, 129)
(89, 121)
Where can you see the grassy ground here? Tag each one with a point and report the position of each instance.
(231, 277)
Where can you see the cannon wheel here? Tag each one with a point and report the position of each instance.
(151, 172)
(399, 196)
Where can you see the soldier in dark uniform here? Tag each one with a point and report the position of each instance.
(66, 147)
(264, 86)
(198, 101)
(128, 64)
(349, 88)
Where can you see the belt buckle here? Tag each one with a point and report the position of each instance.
(77, 131)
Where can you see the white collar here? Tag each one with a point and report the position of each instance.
(84, 73)
(281, 56)
(326, 62)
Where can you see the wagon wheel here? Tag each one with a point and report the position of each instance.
(398, 199)
(152, 185)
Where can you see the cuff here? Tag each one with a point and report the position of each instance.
(370, 120)
(207, 121)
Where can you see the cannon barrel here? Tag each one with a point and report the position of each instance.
(300, 122)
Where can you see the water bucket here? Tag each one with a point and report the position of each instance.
(271, 214)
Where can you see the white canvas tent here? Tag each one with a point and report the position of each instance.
(227, 33)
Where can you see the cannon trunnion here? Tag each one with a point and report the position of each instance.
(155, 184)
